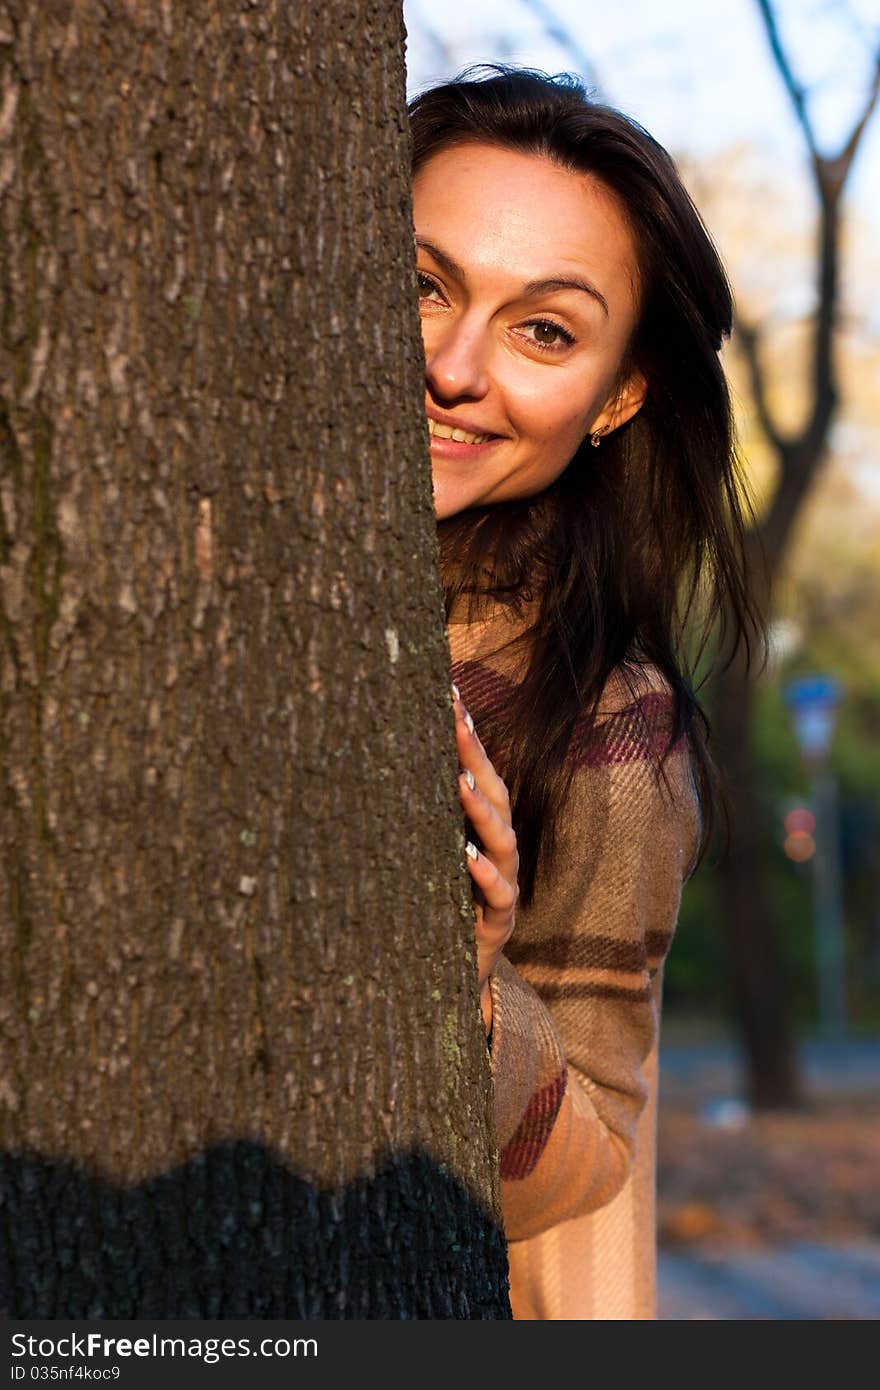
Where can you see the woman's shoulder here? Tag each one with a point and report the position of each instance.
(634, 721)
(635, 757)
(632, 684)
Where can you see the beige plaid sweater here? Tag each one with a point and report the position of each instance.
(576, 1002)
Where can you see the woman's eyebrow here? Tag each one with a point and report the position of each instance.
(565, 282)
(449, 265)
(549, 286)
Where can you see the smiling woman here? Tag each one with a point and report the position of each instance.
(589, 519)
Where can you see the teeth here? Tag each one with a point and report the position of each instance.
(461, 436)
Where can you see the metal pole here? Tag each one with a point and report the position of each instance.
(830, 953)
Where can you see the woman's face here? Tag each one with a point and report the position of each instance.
(528, 294)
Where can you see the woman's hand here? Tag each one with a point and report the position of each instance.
(487, 806)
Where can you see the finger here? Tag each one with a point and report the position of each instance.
(473, 756)
(489, 945)
(495, 831)
(499, 893)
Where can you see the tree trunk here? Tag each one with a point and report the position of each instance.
(245, 1074)
(758, 976)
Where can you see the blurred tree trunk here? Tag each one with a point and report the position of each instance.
(758, 974)
(758, 971)
(245, 1073)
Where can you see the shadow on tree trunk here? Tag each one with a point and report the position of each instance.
(212, 1239)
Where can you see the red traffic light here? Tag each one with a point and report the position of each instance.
(800, 821)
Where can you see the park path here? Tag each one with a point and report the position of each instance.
(797, 1282)
(813, 1276)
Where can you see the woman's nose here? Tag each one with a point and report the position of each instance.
(455, 361)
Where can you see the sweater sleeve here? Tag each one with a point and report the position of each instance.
(574, 1010)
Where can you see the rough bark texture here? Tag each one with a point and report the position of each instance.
(760, 986)
(243, 1068)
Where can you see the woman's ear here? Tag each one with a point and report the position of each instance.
(623, 405)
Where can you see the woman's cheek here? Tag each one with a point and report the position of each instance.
(570, 431)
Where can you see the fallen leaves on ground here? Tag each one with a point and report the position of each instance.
(807, 1176)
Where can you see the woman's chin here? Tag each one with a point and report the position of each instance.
(448, 501)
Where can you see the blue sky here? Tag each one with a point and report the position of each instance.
(697, 73)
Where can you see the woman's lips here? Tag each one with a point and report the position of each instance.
(459, 449)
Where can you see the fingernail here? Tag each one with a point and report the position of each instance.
(469, 777)
(470, 850)
(469, 721)
(456, 693)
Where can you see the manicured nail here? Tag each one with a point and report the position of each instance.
(471, 850)
(469, 721)
(469, 777)
(456, 693)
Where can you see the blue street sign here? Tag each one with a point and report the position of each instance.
(812, 702)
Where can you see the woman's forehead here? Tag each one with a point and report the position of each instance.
(508, 214)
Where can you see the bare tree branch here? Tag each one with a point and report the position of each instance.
(831, 172)
(847, 154)
(795, 90)
(800, 455)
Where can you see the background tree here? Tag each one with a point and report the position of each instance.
(760, 987)
(244, 1069)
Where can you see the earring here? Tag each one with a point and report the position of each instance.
(596, 436)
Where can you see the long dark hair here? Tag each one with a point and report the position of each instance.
(635, 554)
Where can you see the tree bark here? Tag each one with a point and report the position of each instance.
(244, 1069)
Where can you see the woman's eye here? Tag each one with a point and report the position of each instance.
(427, 286)
(549, 335)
